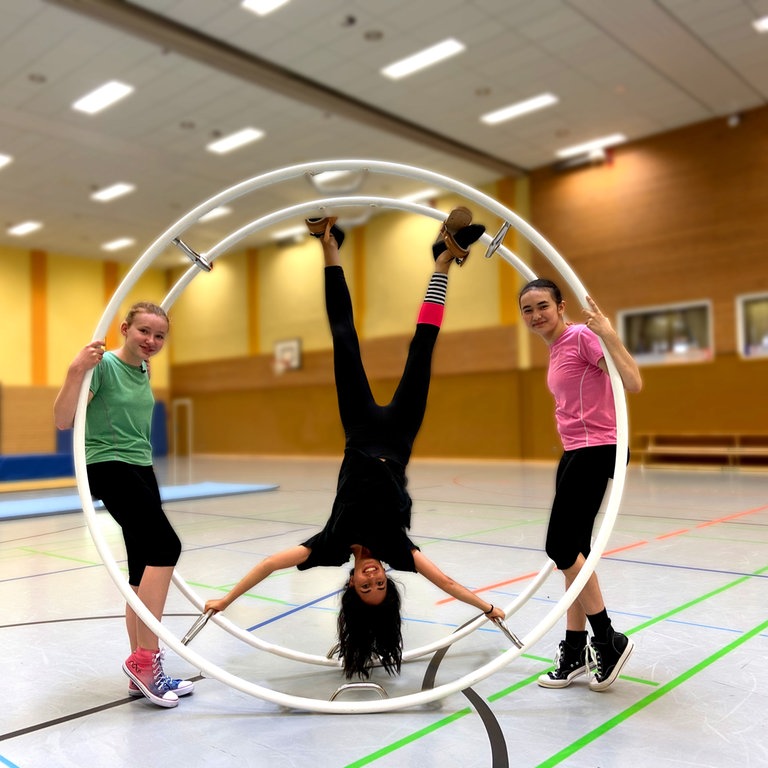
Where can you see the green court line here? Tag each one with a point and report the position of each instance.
(409, 739)
(649, 699)
(252, 595)
(596, 733)
(31, 551)
(696, 601)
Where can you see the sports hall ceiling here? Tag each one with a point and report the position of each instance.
(309, 76)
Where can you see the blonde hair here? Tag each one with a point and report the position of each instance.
(146, 307)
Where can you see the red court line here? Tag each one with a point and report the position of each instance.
(493, 586)
(673, 533)
(640, 543)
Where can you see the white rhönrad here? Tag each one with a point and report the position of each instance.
(301, 211)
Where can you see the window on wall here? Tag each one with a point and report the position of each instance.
(752, 324)
(674, 333)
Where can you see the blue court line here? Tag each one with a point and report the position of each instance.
(56, 505)
(8, 762)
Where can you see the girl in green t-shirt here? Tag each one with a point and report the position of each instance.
(119, 463)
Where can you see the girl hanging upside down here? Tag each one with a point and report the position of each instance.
(371, 513)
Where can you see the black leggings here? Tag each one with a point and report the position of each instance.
(386, 431)
(131, 495)
(582, 477)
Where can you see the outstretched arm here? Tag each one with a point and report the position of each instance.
(66, 401)
(277, 562)
(597, 322)
(432, 573)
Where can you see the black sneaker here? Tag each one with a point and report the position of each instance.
(570, 663)
(608, 658)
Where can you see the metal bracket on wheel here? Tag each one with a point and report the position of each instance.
(497, 239)
(194, 256)
(200, 622)
(515, 640)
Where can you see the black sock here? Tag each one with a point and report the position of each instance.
(576, 640)
(600, 623)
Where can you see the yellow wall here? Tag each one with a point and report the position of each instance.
(290, 295)
(15, 318)
(210, 319)
(75, 304)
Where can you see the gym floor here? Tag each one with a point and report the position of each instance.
(684, 573)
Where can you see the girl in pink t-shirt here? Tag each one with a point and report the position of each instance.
(586, 421)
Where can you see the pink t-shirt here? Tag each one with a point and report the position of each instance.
(584, 409)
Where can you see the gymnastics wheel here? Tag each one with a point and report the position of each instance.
(202, 264)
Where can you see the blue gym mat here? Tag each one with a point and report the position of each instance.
(55, 505)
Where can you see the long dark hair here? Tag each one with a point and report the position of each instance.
(370, 635)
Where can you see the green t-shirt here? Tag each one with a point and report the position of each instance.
(119, 416)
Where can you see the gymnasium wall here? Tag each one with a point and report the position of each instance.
(51, 304)
(674, 218)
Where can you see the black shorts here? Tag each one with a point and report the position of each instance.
(582, 477)
(131, 495)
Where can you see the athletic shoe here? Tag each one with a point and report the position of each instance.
(179, 687)
(146, 672)
(570, 663)
(608, 658)
(322, 228)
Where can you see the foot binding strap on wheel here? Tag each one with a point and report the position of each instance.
(360, 687)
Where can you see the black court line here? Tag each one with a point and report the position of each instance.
(84, 712)
(499, 752)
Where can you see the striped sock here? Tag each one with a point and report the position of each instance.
(433, 306)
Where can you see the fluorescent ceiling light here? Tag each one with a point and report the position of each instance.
(521, 108)
(4, 160)
(337, 181)
(331, 176)
(425, 194)
(262, 7)
(25, 228)
(234, 140)
(216, 213)
(110, 193)
(591, 146)
(102, 97)
(290, 233)
(116, 245)
(761, 25)
(425, 58)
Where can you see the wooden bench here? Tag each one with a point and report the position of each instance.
(705, 449)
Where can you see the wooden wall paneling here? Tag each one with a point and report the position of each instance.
(674, 218)
(27, 420)
(240, 405)
(723, 397)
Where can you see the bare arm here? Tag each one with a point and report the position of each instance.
(277, 562)
(66, 401)
(432, 573)
(625, 364)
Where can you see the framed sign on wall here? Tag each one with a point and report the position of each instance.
(752, 324)
(668, 334)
